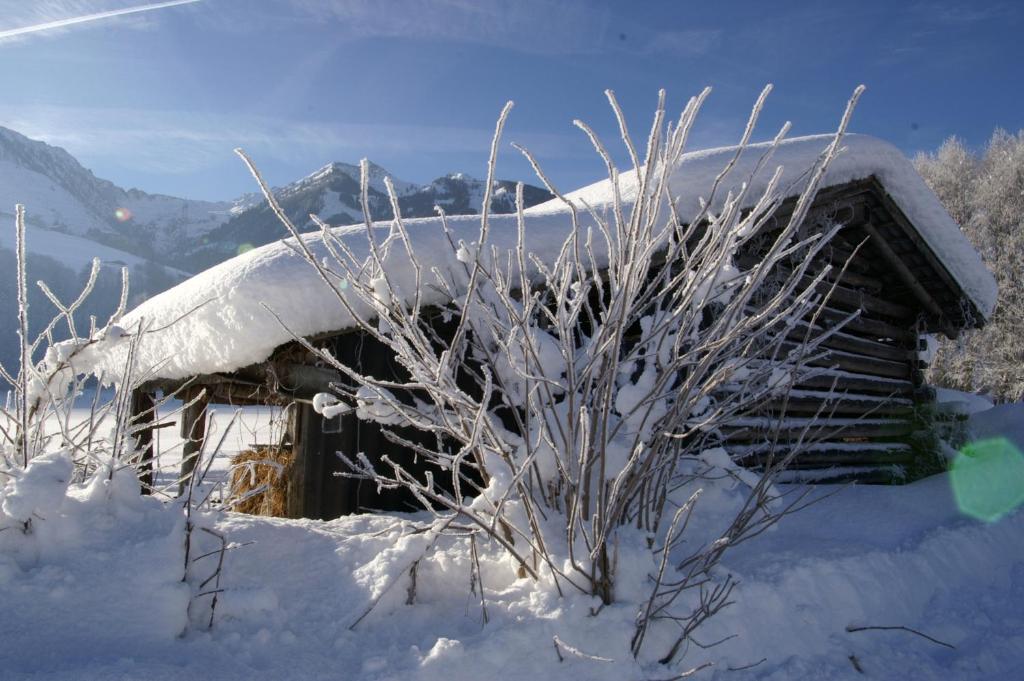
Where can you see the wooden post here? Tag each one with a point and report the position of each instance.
(305, 477)
(193, 432)
(143, 417)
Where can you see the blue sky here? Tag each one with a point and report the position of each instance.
(158, 99)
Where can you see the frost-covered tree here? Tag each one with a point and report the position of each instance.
(984, 192)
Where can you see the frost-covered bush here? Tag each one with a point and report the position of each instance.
(71, 501)
(985, 193)
(577, 398)
(51, 373)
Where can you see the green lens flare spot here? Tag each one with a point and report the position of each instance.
(242, 248)
(988, 478)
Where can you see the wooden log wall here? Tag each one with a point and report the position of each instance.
(859, 415)
(856, 418)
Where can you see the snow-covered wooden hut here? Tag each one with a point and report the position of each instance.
(909, 270)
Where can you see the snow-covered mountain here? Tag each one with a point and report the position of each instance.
(63, 197)
(332, 193)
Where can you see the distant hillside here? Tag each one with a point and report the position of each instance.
(61, 195)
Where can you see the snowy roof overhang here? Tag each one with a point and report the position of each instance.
(220, 320)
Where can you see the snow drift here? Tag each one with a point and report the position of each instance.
(108, 603)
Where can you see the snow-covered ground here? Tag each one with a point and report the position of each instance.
(96, 593)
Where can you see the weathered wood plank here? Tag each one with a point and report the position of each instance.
(895, 214)
(862, 325)
(904, 272)
(848, 278)
(855, 280)
(841, 258)
(891, 474)
(854, 299)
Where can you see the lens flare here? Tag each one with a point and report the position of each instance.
(123, 214)
(243, 248)
(988, 478)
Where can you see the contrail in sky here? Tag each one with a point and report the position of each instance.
(61, 23)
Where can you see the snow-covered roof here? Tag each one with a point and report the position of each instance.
(234, 329)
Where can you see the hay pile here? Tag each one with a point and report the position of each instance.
(266, 468)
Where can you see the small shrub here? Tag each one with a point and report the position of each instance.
(584, 388)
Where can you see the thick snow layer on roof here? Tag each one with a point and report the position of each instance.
(233, 327)
(864, 156)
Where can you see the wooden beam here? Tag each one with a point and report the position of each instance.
(848, 277)
(853, 279)
(896, 262)
(862, 475)
(862, 300)
(302, 380)
(861, 325)
(841, 258)
(894, 212)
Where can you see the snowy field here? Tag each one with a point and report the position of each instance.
(241, 428)
(234, 429)
(96, 593)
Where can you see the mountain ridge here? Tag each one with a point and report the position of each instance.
(63, 196)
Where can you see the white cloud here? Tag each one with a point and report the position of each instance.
(21, 20)
(545, 27)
